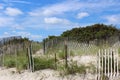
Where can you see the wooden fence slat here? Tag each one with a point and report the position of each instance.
(107, 60)
(108, 51)
(117, 63)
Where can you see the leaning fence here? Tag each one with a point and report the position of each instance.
(20, 54)
(107, 64)
(17, 52)
(76, 46)
(107, 53)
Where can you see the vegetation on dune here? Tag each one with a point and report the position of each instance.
(43, 63)
(96, 31)
(18, 60)
(36, 46)
(74, 68)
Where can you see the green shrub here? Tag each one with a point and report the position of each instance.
(74, 68)
(104, 77)
(9, 62)
(19, 61)
(36, 46)
(72, 53)
(22, 63)
(61, 55)
(43, 63)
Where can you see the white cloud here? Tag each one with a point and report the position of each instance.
(55, 20)
(23, 34)
(38, 37)
(75, 5)
(56, 9)
(11, 23)
(44, 16)
(1, 7)
(20, 1)
(82, 15)
(16, 1)
(113, 19)
(61, 8)
(6, 33)
(13, 11)
(17, 27)
(6, 21)
(28, 35)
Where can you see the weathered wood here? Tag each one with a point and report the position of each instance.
(66, 55)
(107, 64)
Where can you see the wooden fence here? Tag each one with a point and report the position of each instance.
(107, 64)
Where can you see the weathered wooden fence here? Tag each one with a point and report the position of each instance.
(107, 64)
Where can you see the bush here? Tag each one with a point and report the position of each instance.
(9, 62)
(72, 68)
(72, 53)
(61, 55)
(43, 63)
(20, 61)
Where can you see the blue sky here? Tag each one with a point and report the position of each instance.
(37, 19)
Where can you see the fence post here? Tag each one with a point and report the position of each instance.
(44, 46)
(111, 62)
(66, 55)
(114, 62)
(30, 58)
(102, 65)
(105, 63)
(117, 64)
(108, 53)
(99, 65)
(15, 55)
(28, 55)
(55, 61)
(3, 58)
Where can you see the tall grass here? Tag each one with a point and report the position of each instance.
(18, 60)
(43, 63)
(36, 46)
(74, 68)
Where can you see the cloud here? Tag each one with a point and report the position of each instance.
(56, 15)
(6, 33)
(61, 8)
(16, 1)
(6, 21)
(10, 23)
(82, 15)
(75, 5)
(28, 35)
(55, 20)
(112, 19)
(1, 6)
(23, 34)
(17, 27)
(20, 1)
(13, 11)
(56, 9)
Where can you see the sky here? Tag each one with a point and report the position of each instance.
(38, 19)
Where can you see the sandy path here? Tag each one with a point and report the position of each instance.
(47, 74)
(38, 53)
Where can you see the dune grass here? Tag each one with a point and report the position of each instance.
(43, 63)
(18, 60)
